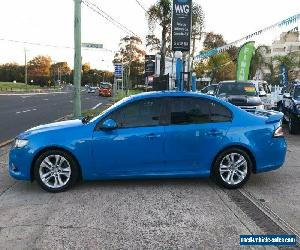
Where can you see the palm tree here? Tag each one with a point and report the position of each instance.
(258, 60)
(161, 13)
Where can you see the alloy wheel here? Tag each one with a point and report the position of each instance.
(55, 171)
(233, 168)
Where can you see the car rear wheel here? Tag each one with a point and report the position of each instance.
(232, 168)
(56, 171)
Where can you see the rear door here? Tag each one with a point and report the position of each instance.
(196, 133)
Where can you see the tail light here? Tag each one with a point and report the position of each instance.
(279, 132)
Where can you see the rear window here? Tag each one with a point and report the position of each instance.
(237, 88)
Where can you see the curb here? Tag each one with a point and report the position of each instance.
(3, 144)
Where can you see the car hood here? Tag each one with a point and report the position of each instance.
(242, 100)
(52, 126)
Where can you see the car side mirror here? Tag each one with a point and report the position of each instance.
(287, 95)
(262, 93)
(109, 124)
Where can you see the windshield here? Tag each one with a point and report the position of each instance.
(105, 86)
(237, 88)
(297, 93)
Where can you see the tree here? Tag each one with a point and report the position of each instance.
(86, 67)
(213, 41)
(60, 71)
(198, 21)
(153, 43)
(258, 60)
(39, 69)
(10, 72)
(160, 13)
(132, 55)
(219, 67)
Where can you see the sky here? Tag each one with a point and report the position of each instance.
(51, 22)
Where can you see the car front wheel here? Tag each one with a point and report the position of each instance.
(232, 168)
(55, 171)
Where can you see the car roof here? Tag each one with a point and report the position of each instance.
(231, 81)
(155, 94)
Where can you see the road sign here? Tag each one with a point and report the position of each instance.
(92, 45)
(118, 70)
(181, 25)
(149, 65)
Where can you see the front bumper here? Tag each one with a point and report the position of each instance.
(19, 163)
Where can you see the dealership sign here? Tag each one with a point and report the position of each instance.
(181, 25)
(149, 65)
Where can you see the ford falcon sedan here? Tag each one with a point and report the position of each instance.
(152, 135)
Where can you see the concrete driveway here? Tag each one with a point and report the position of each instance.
(152, 214)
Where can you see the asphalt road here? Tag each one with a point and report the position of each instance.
(23, 111)
(148, 214)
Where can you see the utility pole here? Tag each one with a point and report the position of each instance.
(26, 79)
(77, 58)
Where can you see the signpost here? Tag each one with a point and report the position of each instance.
(181, 25)
(92, 45)
(149, 65)
(118, 70)
(181, 34)
(118, 75)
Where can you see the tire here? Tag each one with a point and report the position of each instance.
(292, 125)
(240, 177)
(60, 171)
(280, 109)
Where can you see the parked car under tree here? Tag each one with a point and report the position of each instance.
(152, 135)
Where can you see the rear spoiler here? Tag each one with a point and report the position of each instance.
(272, 116)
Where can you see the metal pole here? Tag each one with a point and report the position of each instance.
(189, 81)
(77, 58)
(26, 80)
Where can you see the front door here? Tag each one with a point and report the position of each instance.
(136, 146)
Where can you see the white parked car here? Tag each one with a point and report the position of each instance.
(265, 93)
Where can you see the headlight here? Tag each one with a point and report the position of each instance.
(20, 143)
(298, 106)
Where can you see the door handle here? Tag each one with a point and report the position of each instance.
(214, 132)
(152, 136)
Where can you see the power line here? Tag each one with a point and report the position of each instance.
(51, 45)
(140, 4)
(109, 18)
(36, 44)
(144, 8)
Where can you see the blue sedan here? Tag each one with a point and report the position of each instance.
(152, 135)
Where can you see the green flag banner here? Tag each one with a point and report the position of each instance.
(244, 61)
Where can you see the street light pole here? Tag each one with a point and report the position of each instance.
(77, 58)
(26, 81)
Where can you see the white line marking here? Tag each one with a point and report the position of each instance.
(25, 111)
(31, 94)
(45, 99)
(99, 104)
